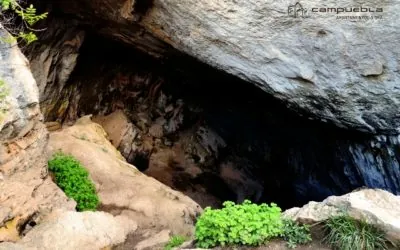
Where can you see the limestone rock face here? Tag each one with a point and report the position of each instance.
(73, 230)
(378, 207)
(52, 61)
(123, 134)
(340, 71)
(27, 193)
(121, 187)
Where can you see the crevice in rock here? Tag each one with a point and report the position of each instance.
(302, 80)
(142, 6)
(215, 137)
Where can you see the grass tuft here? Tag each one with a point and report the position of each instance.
(175, 241)
(346, 233)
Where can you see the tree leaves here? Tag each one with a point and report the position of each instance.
(5, 4)
(28, 16)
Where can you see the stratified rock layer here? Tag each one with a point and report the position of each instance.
(27, 193)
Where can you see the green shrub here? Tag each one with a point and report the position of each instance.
(175, 241)
(346, 233)
(246, 224)
(295, 234)
(73, 179)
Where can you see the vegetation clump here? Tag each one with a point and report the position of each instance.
(295, 234)
(346, 233)
(238, 224)
(4, 91)
(175, 241)
(74, 180)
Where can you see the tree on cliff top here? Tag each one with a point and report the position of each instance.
(13, 12)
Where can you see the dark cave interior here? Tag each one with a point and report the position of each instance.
(263, 151)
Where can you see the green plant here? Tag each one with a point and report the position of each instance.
(175, 241)
(4, 91)
(28, 16)
(73, 179)
(346, 233)
(295, 234)
(246, 224)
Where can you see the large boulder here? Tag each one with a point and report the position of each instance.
(27, 193)
(376, 206)
(342, 71)
(124, 190)
(72, 230)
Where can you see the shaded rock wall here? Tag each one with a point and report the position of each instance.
(52, 62)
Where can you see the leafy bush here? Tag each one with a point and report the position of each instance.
(346, 233)
(9, 10)
(175, 241)
(247, 224)
(73, 179)
(295, 234)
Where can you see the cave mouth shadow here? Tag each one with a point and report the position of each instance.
(293, 159)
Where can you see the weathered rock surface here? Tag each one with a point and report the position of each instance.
(73, 230)
(337, 70)
(124, 135)
(121, 187)
(52, 61)
(378, 207)
(155, 242)
(27, 193)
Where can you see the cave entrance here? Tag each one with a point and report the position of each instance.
(208, 134)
